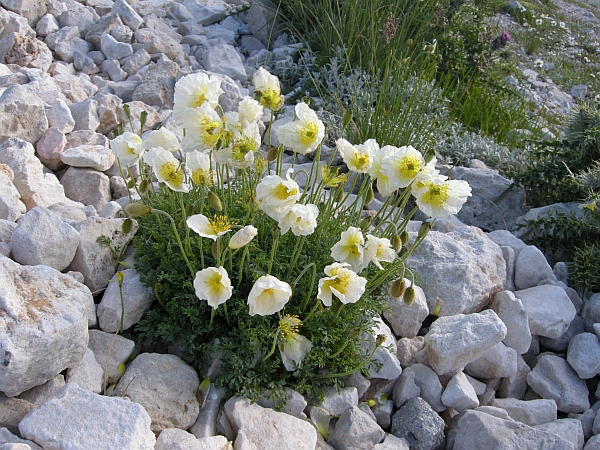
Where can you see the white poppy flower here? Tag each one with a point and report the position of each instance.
(249, 110)
(342, 282)
(127, 147)
(213, 285)
(202, 128)
(268, 89)
(358, 158)
(402, 166)
(301, 219)
(161, 138)
(274, 194)
(304, 134)
(350, 248)
(199, 166)
(376, 250)
(208, 228)
(166, 168)
(242, 237)
(268, 295)
(440, 199)
(293, 351)
(243, 142)
(193, 91)
(384, 185)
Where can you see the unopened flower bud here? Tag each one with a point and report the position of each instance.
(425, 227)
(272, 154)
(409, 42)
(120, 278)
(403, 251)
(144, 185)
(404, 236)
(137, 209)
(214, 201)
(380, 340)
(213, 249)
(347, 117)
(242, 237)
(404, 60)
(409, 296)
(189, 210)
(339, 195)
(131, 183)
(370, 195)
(396, 242)
(438, 307)
(259, 164)
(398, 288)
(365, 223)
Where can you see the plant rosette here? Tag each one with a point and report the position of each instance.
(261, 284)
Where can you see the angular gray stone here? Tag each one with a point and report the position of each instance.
(88, 374)
(584, 355)
(513, 314)
(87, 186)
(41, 237)
(114, 49)
(406, 320)
(553, 378)
(531, 267)
(385, 354)
(570, 430)
(590, 313)
(39, 394)
(85, 419)
(463, 268)
(408, 349)
(268, 429)
(506, 238)
(158, 85)
(405, 388)
(43, 325)
(95, 157)
(532, 412)
(549, 309)
(480, 431)
(127, 14)
(12, 411)
(355, 430)
(337, 402)
(157, 42)
(509, 257)
(85, 114)
(206, 422)
(263, 22)
(422, 427)
(516, 385)
(11, 206)
(587, 421)
(22, 115)
(206, 12)
(429, 384)
(49, 148)
(6, 437)
(499, 361)
(94, 260)
(59, 116)
(165, 386)
(224, 59)
(295, 404)
(453, 342)
(112, 352)
(392, 442)
(561, 344)
(460, 394)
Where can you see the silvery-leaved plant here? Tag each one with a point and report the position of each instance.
(275, 281)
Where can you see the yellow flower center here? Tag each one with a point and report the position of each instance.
(362, 161)
(202, 178)
(409, 167)
(282, 192)
(170, 173)
(208, 129)
(308, 134)
(215, 282)
(219, 224)
(242, 146)
(271, 98)
(437, 195)
(288, 326)
(201, 99)
(131, 150)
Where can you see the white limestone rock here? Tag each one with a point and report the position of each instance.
(408, 349)
(39, 394)
(355, 429)
(88, 420)
(531, 267)
(553, 378)
(226, 60)
(506, 238)
(268, 429)
(549, 309)
(43, 325)
(295, 404)
(137, 298)
(88, 374)
(22, 115)
(509, 257)
(463, 268)
(206, 422)
(165, 386)
(176, 439)
(206, 12)
(111, 352)
(406, 320)
(453, 342)
(95, 157)
(497, 362)
(405, 388)
(6, 437)
(127, 14)
(94, 260)
(12, 411)
(570, 430)
(429, 384)
(513, 314)
(532, 412)
(460, 394)
(28, 170)
(49, 193)
(515, 386)
(42, 237)
(59, 116)
(11, 206)
(337, 402)
(584, 355)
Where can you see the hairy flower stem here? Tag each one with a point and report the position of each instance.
(268, 355)
(240, 274)
(188, 247)
(273, 253)
(351, 371)
(187, 261)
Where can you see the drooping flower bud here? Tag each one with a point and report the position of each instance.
(398, 288)
(425, 227)
(409, 296)
(370, 195)
(438, 306)
(137, 209)
(214, 201)
(396, 242)
(144, 185)
(189, 210)
(404, 237)
(272, 154)
(127, 226)
(213, 249)
(347, 117)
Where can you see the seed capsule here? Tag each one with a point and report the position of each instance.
(409, 296)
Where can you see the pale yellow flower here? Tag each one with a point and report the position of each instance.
(213, 285)
(301, 219)
(127, 148)
(193, 91)
(202, 128)
(268, 295)
(440, 199)
(384, 186)
(242, 142)
(293, 351)
(242, 237)
(267, 89)
(377, 250)
(161, 138)
(249, 110)
(342, 282)
(208, 228)
(274, 194)
(358, 158)
(167, 168)
(199, 166)
(402, 166)
(350, 248)
(304, 134)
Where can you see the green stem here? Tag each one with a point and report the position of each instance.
(187, 261)
(360, 366)
(268, 355)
